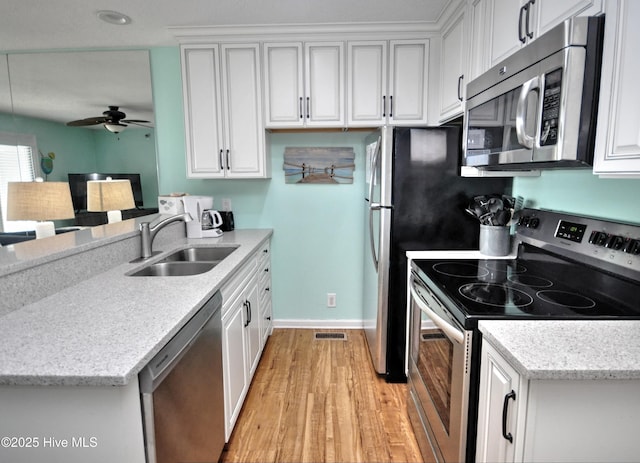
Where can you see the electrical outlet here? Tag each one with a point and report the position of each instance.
(226, 204)
(331, 299)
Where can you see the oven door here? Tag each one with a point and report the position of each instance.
(439, 369)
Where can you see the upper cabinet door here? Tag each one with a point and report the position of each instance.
(617, 150)
(324, 84)
(516, 23)
(507, 26)
(408, 77)
(548, 14)
(453, 65)
(283, 83)
(366, 83)
(203, 120)
(242, 103)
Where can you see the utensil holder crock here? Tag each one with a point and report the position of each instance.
(495, 240)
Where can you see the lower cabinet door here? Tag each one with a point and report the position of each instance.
(497, 409)
(236, 379)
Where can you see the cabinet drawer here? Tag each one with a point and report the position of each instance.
(237, 283)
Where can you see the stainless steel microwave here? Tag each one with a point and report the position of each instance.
(538, 108)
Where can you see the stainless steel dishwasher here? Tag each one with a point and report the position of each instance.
(182, 392)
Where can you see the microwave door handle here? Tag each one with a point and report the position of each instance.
(523, 138)
(451, 331)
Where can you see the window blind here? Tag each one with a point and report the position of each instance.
(16, 165)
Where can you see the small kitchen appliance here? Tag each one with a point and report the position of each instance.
(228, 224)
(206, 221)
(567, 267)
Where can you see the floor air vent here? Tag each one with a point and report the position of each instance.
(331, 336)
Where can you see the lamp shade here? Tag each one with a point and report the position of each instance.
(109, 195)
(39, 201)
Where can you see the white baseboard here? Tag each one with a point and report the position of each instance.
(319, 324)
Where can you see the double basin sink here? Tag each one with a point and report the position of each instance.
(188, 261)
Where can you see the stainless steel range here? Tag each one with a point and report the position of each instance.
(567, 267)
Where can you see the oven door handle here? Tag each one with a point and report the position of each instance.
(451, 331)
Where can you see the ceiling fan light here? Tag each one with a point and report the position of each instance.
(114, 127)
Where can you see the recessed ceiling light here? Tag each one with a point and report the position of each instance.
(113, 17)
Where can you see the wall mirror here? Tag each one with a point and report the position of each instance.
(41, 92)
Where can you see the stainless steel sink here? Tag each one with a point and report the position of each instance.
(189, 261)
(196, 254)
(170, 269)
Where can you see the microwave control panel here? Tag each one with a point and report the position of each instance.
(550, 108)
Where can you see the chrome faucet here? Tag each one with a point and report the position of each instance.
(148, 233)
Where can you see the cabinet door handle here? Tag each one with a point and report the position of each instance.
(245, 305)
(228, 161)
(249, 312)
(220, 156)
(267, 289)
(384, 105)
(521, 36)
(301, 109)
(391, 106)
(308, 107)
(505, 409)
(527, 21)
(460, 79)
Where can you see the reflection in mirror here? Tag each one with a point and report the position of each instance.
(48, 90)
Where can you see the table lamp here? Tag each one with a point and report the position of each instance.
(111, 196)
(40, 201)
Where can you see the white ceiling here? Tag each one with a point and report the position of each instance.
(47, 24)
(28, 25)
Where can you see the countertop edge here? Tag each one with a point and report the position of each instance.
(567, 349)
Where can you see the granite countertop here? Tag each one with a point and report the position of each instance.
(104, 330)
(570, 350)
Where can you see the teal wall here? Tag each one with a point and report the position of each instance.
(578, 191)
(81, 150)
(317, 246)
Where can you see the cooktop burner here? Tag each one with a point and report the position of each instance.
(460, 269)
(497, 295)
(535, 285)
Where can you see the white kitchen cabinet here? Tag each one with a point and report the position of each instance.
(304, 84)
(499, 391)
(367, 90)
(617, 150)
(387, 82)
(235, 368)
(511, 24)
(454, 54)
(264, 292)
(559, 420)
(408, 81)
(243, 336)
(225, 133)
(477, 14)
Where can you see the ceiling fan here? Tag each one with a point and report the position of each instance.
(112, 120)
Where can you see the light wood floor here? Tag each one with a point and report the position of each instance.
(320, 401)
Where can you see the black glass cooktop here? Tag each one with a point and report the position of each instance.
(535, 285)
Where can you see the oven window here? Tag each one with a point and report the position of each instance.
(435, 359)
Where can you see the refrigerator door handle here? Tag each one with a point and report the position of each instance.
(372, 242)
(373, 206)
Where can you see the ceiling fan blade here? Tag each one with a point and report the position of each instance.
(88, 121)
(134, 121)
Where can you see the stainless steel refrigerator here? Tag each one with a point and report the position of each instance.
(415, 200)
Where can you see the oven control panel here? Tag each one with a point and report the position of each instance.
(609, 245)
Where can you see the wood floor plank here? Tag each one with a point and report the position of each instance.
(321, 401)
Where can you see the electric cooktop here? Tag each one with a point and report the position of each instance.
(542, 283)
